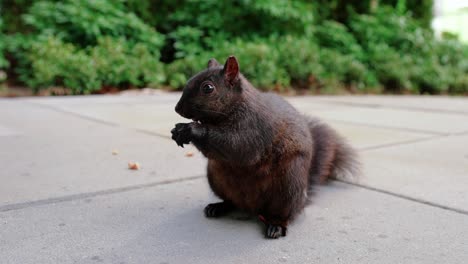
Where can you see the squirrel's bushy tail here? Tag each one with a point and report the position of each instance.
(333, 157)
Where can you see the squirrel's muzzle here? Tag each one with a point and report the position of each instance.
(178, 108)
(181, 110)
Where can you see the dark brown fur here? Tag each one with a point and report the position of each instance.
(263, 155)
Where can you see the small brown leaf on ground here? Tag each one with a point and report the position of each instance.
(115, 152)
(133, 166)
(189, 154)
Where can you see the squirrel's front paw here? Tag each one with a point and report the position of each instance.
(182, 133)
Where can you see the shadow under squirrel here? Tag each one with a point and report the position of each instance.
(263, 155)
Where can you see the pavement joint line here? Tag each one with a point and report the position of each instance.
(412, 130)
(97, 120)
(409, 108)
(81, 196)
(152, 133)
(405, 197)
(460, 133)
(101, 121)
(64, 111)
(401, 143)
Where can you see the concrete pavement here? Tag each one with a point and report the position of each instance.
(65, 198)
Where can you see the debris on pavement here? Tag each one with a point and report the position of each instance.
(133, 165)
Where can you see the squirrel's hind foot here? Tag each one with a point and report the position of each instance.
(218, 209)
(275, 231)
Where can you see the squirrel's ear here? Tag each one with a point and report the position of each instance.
(231, 70)
(213, 63)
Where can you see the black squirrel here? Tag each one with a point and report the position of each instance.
(263, 155)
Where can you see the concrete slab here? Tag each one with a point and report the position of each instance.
(434, 170)
(56, 154)
(165, 224)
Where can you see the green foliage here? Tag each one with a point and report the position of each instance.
(57, 63)
(17, 47)
(119, 64)
(344, 69)
(406, 57)
(82, 22)
(3, 61)
(334, 35)
(110, 63)
(180, 70)
(360, 46)
(421, 10)
(300, 58)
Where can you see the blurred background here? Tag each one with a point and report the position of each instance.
(327, 47)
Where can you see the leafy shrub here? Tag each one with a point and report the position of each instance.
(180, 70)
(84, 45)
(83, 22)
(3, 61)
(336, 36)
(300, 58)
(17, 47)
(391, 68)
(405, 56)
(453, 56)
(57, 63)
(119, 64)
(187, 41)
(111, 63)
(361, 46)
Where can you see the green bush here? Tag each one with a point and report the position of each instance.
(336, 36)
(345, 69)
(405, 56)
(360, 46)
(3, 61)
(83, 22)
(84, 45)
(453, 57)
(180, 70)
(55, 63)
(17, 46)
(119, 64)
(300, 58)
(110, 63)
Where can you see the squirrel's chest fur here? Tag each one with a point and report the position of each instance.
(253, 187)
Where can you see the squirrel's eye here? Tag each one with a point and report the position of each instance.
(208, 88)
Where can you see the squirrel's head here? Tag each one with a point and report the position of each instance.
(209, 96)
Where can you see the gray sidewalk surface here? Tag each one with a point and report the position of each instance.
(65, 197)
